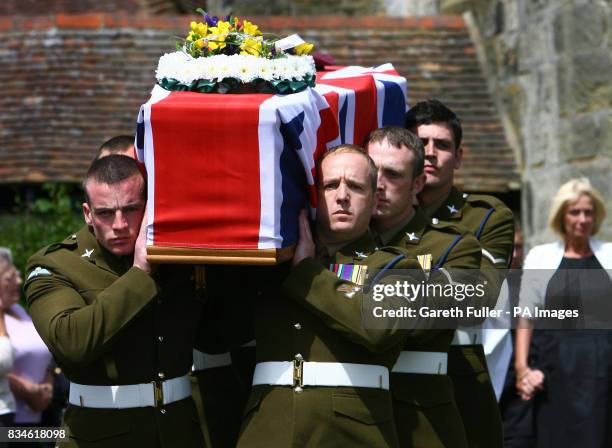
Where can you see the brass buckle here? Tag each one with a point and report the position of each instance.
(158, 393)
(298, 373)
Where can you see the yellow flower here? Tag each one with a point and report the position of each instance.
(251, 28)
(218, 34)
(199, 28)
(251, 46)
(202, 29)
(201, 43)
(303, 49)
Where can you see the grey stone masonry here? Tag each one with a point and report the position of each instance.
(551, 66)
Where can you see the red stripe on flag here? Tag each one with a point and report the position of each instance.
(206, 139)
(327, 132)
(366, 119)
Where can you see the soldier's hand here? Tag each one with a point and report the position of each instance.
(305, 247)
(140, 250)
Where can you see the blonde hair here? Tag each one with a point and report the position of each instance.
(349, 148)
(569, 192)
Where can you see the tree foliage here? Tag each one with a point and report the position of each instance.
(32, 225)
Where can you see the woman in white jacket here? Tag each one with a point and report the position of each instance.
(7, 401)
(573, 380)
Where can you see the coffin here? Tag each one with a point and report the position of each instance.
(228, 174)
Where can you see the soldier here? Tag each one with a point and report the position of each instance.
(121, 331)
(224, 370)
(322, 379)
(121, 145)
(492, 224)
(426, 415)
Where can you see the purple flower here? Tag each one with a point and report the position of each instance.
(211, 21)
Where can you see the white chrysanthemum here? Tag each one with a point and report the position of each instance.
(246, 68)
(263, 70)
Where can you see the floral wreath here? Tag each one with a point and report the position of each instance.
(234, 56)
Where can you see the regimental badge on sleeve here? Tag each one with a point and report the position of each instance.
(38, 272)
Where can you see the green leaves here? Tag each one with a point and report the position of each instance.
(49, 218)
(233, 85)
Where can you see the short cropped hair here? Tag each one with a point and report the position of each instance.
(117, 145)
(569, 192)
(398, 137)
(347, 148)
(434, 111)
(112, 170)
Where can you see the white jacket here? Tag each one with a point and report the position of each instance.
(544, 260)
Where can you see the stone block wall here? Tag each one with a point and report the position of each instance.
(551, 65)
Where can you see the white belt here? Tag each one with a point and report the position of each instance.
(465, 336)
(204, 361)
(299, 373)
(155, 393)
(432, 363)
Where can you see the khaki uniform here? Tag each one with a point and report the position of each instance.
(316, 316)
(493, 225)
(108, 323)
(224, 379)
(426, 415)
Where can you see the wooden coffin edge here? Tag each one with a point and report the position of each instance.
(187, 255)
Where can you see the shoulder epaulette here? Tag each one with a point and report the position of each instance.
(69, 243)
(485, 200)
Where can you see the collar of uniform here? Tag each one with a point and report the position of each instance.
(415, 227)
(430, 210)
(88, 244)
(452, 206)
(395, 234)
(355, 251)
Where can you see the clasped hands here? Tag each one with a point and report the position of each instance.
(529, 382)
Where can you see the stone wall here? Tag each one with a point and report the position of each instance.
(551, 63)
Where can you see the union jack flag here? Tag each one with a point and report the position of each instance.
(233, 171)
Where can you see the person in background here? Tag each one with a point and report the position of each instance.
(573, 377)
(7, 296)
(121, 144)
(29, 379)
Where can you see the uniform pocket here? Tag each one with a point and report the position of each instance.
(252, 404)
(424, 391)
(93, 425)
(370, 407)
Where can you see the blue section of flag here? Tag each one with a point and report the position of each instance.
(140, 135)
(293, 181)
(394, 110)
(342, 120)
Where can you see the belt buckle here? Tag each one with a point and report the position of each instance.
(298, 373)
(158, 393)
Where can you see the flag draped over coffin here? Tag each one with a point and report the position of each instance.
(233, 171)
